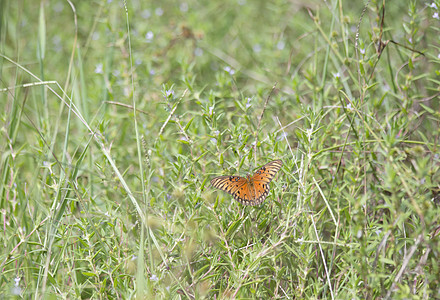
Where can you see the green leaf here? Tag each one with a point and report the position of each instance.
(234, 226)
(41, 33)
(189, 124)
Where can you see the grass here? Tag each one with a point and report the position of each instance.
(118, 115)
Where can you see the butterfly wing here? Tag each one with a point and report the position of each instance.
(237, 186)
(261, 179)
(252, 191)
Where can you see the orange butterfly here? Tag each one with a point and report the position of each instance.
(251, 190)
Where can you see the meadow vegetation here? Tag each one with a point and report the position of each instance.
(116, 115)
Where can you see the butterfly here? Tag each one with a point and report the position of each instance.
(250, 190)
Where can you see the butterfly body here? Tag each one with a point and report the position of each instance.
(251, 190)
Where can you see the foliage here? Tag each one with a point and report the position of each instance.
(117, 115)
